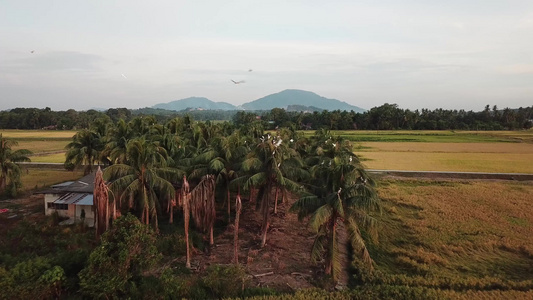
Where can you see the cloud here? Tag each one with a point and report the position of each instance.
(55, 61)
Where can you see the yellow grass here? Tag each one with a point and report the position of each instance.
(37, 134)
(49, 158)
(464, 157)
(484, 228)
(40, 146)
(40, 178)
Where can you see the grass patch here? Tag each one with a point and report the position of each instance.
(40, 178)
(460, 162)
(463, 230)
(49, 158)
(421, 136)
(37, 134)
(42, 146)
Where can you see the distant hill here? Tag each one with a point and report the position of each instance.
(195, 103)
(299, 108)
(298, 97)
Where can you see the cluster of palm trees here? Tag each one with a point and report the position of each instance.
(147, 161)
(10, 171)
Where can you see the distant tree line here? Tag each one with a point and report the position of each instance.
(391, 117)
(384, 117)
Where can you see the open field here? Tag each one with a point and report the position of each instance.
(456, 230)
(433, 136)
(37, 134)
(460, 157)
(462, 151)
(49, 158)
(37, 178)
(42, 146)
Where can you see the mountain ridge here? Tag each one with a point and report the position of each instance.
(285, 99)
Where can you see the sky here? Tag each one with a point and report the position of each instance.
(431, 54)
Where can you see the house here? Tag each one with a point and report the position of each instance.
(72, 199)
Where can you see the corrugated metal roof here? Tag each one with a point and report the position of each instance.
(82, 185)
(87, 200)
(75, 198)
(63, 184)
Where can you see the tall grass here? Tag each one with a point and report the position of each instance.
(457, 230)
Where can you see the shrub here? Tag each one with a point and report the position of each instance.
(127, 250)
(224, 281)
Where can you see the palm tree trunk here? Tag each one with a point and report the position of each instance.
(265, 209)
(3, 181)
(229, 200)
(331, 242)
(186, 216)
(107, 215)
(171, 220)
(114, 209)
(238, 206)
(343, 254)
(276, 201)
(252, 200)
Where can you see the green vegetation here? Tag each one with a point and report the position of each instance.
(421, 136)
(436, 239)
(384, 117)
(10, 171)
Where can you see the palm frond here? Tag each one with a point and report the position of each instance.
(358, 243)
(322, 215)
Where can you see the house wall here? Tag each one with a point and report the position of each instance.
(89, 214)
(49, 198)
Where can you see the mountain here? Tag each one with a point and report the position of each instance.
(195, 102)
(298, 97)
(299, 108)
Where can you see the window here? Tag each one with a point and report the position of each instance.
(57, 206)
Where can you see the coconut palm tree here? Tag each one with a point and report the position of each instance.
(271, 164)
(341, 198)
(84, 149)
(144, 179)
(221, 158)
(117, 140)
(10, 170)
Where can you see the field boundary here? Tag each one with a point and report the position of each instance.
(394, 173)
(453, 175)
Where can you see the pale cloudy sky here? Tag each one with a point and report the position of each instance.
(455, 54)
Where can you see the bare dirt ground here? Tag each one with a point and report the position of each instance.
(284, 264)
(28, 208)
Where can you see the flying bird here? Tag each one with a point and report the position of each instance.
(124, 76)
(32, 51)
(237, 82)
(250, 70)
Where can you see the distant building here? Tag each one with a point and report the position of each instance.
(71, 199)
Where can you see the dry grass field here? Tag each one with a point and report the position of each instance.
(49, 158)
(37, 134)
(47, 145)
(465, 151)
(42, 146)
(456, 229)
(41, 178)
(461, 157)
